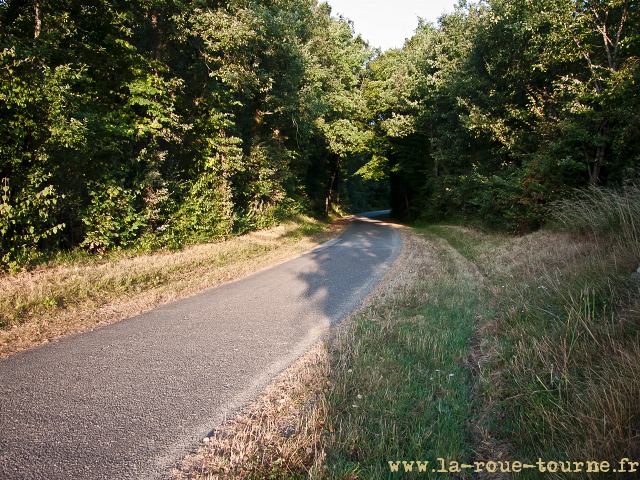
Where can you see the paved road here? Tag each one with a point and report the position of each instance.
(130, 399)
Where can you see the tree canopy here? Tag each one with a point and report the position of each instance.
(506, 106)
(163, 121)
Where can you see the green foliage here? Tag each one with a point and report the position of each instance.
(165, 122)
(504, 107)
(204, 214)
(111, 218)
(26, 221)
(160, 123)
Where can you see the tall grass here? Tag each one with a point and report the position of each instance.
(569, 332)
(612, 214)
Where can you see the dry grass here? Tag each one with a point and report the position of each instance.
(280, 435)
(501, 256)
(610, 215)
(47, 303)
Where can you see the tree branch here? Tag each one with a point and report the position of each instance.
(619, 34)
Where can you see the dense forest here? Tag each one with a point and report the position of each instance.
(162, 122)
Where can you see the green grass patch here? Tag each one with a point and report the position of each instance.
(400, 387)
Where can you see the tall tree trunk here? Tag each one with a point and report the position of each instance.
(36, 32)
(597, 164)
(157, 24)
(332, 184)
(598, 160)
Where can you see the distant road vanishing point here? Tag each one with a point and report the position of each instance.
(130, 399)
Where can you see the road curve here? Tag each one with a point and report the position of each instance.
(130, 399)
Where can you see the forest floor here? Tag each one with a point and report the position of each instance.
(478, 353)
(69, 295)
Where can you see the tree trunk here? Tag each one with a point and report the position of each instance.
(597, 164)
(36, 32)
(331, 185)
(157, 23)
(598, 161)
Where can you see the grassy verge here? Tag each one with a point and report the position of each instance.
(549, 325)
(402, 387)
(70, 295)
(566, 335)
(480, 350)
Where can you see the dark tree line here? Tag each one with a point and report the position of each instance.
(507, 106)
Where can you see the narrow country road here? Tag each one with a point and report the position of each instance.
(130, 399)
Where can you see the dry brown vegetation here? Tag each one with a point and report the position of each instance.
(49, 302)
(280, 434)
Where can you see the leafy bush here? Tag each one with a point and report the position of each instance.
(26, 220)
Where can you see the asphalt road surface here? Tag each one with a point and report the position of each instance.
(129, 400)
